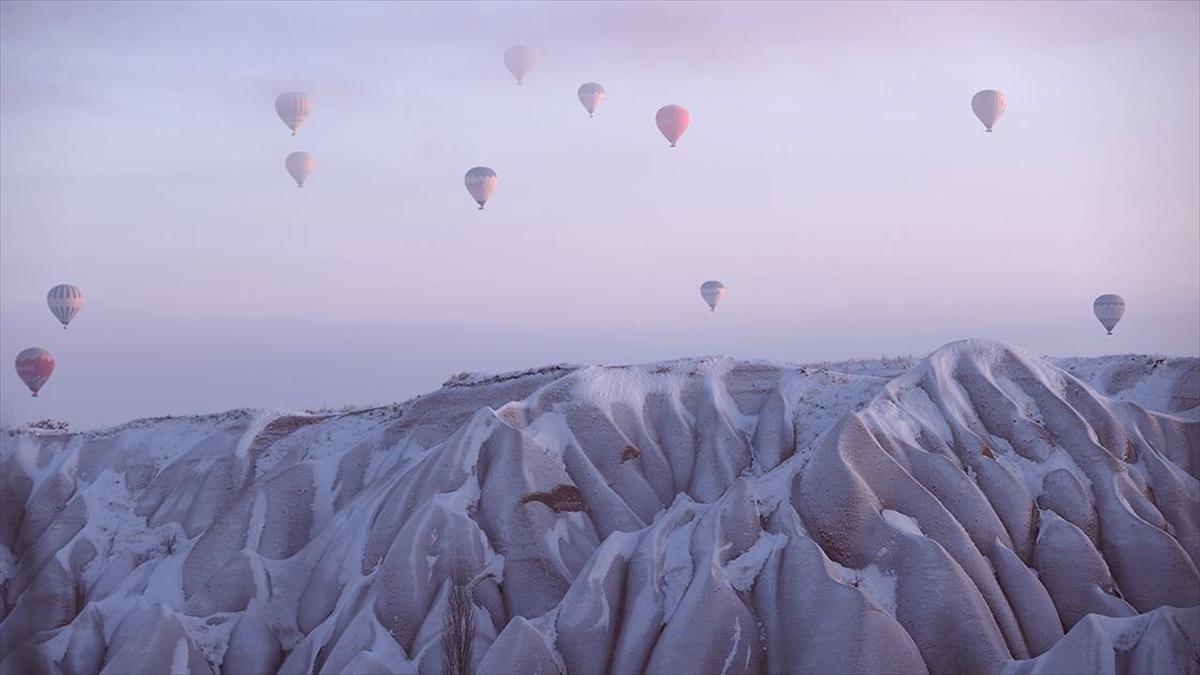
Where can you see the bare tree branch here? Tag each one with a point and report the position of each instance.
(458, 625)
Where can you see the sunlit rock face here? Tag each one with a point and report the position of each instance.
(979, 510)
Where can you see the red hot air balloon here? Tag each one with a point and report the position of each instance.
(34, 366)
(672, 121)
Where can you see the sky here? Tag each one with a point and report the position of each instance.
(833, 177)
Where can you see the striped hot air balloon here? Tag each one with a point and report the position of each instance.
(293, 108)
(1109, 308)
(989, 105)
(65, 302)
(34, 366)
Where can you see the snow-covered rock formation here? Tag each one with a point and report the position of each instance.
(980, 510)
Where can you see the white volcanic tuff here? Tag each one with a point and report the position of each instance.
(704, 515)
(1161, 641)
(519, 648)
(1155, 382)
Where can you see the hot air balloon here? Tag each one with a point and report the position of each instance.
(989, 105)
(293, 108)
(65, 302)
(34, 366)
(300, 165)
(481, 183)
(1109, 309)
(672, 121)
(712, 292)
(519, 61)
(591, 95)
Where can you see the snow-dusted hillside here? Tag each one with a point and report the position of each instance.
(980, 510)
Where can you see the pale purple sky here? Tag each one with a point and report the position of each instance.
(833, 177)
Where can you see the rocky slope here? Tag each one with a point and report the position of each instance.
(979, 510)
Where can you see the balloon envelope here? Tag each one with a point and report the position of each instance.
(712, 292)
(293, 108)
(1109, 309)
(988, 106)
(300, 165)
(34, 366)
(65, 301)
(672, 121)
(481, 183)
(519, 61)
(591, 95)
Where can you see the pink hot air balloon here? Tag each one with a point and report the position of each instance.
(34, 366)
(672, 121)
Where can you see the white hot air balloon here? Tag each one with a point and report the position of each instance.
(672, 121)
(1109, 309)
(65, 302)
(519, 61)
(712, 292)
(300, 165)
(481, 183)
(591, 95)
(293, 108)
(989, 105)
